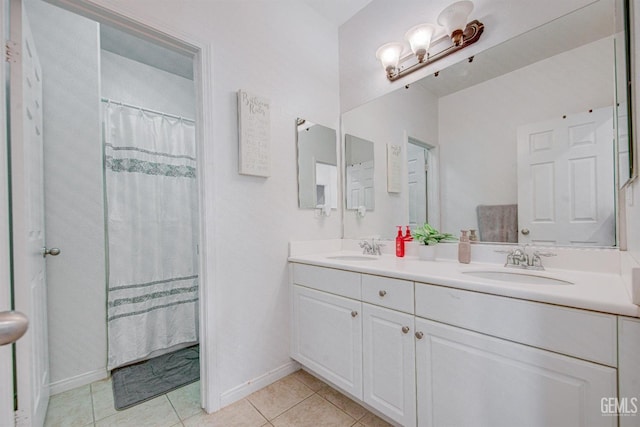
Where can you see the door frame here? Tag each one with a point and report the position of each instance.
(147, 28)
(433, 177)
(6, 357)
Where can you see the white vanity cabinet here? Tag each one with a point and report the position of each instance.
(431, 355)
(465, 378)
(327, 326)
(389, 363)
(628, 372)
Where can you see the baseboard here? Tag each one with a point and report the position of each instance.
(243, 390)
(77, 381)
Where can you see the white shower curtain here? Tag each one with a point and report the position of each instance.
(151, 219)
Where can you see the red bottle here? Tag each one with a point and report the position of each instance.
(400, 243)
(407, 235)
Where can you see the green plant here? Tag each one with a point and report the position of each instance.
(427, 235)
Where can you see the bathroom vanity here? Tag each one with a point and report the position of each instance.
(426, 344)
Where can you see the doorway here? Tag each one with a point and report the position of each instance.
(423, 190)
(85, 197)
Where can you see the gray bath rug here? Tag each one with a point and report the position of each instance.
(145, 380)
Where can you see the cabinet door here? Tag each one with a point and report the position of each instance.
(389, 363)
(465, 378)
(327, 337)
(628, 372)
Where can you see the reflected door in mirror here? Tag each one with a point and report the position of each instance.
(565, 180)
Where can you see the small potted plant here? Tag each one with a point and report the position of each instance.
(429, 237)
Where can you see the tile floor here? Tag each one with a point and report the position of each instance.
(298, 400)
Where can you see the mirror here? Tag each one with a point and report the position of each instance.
(522, 134)
(359, 173)
(627, 169)
(317, 166)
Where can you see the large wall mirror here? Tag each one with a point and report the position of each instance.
(523, 134)
(317, 166)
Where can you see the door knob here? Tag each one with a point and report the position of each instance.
(419, 335)
(13, 325)
(382, 293)
(525, 231)
(354, 313)
(405, 329)
(50, 251)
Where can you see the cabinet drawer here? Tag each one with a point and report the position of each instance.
(391, 293)
(339, 282)
(580, 333)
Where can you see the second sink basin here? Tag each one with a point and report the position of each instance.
(517, 277)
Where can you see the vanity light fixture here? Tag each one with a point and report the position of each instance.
(453, 19)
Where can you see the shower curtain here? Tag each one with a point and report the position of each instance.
(151, 222)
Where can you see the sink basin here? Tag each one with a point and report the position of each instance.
(353, 257)
(517, 277)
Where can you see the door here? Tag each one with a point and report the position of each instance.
(417, 170)
(360, 190)
(469, 379)
(6, 359)
(327, 337)
(388, 363)
(566, 180)
(27, 199)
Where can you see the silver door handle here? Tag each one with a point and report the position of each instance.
(50, 251)
(13, 325)
(525, 231)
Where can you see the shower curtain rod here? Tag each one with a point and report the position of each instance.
(124, 104)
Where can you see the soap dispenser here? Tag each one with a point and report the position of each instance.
(464, 248)
(407, 235)
(400, 243)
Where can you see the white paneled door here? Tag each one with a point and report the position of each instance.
(27, 204)
(566, 180)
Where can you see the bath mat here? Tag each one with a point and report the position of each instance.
(145, 380)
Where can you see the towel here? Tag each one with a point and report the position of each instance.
(498, 223)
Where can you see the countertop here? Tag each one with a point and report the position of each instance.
(603, 292)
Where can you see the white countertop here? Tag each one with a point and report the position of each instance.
(604, 292)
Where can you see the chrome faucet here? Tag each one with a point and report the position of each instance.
(519, 258)
(373, 248)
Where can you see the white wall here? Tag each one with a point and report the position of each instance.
(478, 125)
(389, 120)
(132, 82)
(286, 52)
(362, 78)
(68, 49)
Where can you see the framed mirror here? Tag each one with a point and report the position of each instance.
(317, 166)
(627, 161)
(524, 133)
(359, 173)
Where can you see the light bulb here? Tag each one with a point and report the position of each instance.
(419, 38)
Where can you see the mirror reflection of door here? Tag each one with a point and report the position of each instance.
(359, 171)
(565, 176)
(326, 184)
(423, 191)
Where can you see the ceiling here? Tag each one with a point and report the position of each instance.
(337, 11)
(121, 43)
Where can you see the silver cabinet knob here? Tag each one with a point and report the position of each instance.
(354, 313)
(50, 251)
(13, 325)
(405, 329)
(419, 335)
(382, 293)
(525, 231)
